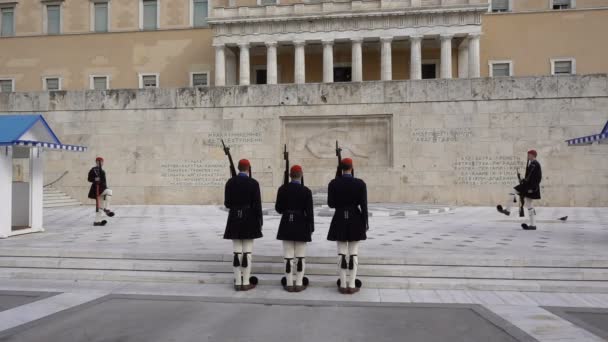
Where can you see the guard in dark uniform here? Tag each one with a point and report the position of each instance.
(348, 195)
(294, 202)
(529, 188)
(100, 192)
(243, 199)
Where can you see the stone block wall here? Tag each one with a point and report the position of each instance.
(434, 141)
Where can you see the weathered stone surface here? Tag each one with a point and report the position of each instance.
(395, 91)
(459, 89)
(28, 102)
(66, 100)
(156, 98)
(442, 141)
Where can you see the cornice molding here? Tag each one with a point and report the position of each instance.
(362, 23)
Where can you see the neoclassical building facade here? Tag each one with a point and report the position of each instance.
(114, 44)
(349, 26)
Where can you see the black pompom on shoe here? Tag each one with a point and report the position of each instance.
(501, 210)
(526, 227)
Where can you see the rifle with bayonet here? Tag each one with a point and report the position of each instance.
(286, 173)
(286, 158)
(339, 155)
(521, 195)
(227, 152)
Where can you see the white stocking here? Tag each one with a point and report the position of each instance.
(238, 258)
(289, 253)
(106, 197)
(512, 201)
(353, 263)
(247, 249)
(531, 211)
(300, 252)
(342, 262)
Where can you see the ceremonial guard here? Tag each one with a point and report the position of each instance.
(100, 192)
(294, 203)
(348, 195)
(243, 199)
(528, 191)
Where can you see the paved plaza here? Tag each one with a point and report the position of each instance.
(161, 273)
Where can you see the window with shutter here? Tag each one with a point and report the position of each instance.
(6, 86)
(149, 81)
(7, 22)
(501, 69)
(562, 4)
(199, 79)
(562, 68)
(200, 13)
(500, 5)
(53, 17)
(101, 17)
(100, 83)
(52, 83)
(150, 15)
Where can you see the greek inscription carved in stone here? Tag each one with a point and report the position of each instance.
(478, 170)
(195, 172)
(234, 138)
(442, 135)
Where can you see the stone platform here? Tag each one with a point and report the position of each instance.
(468, 248)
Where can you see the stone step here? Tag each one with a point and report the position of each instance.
(53, 198)
(62, 204)
(419, 259)
(316, 280)
(369, 270)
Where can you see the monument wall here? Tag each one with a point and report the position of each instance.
(434, 141)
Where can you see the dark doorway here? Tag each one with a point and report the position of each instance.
(260, 76)
(429, 71)
(342, 74)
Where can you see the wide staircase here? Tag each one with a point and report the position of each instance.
(54, 198)
(546, 274)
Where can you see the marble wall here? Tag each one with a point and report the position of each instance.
(435, 141)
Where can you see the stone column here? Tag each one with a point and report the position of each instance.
(415, 57)
(357, 60)
(446, 56)
(463, 60)
(6, 184)
(386, 59)
(271, 62)
(220, 65)
(299, 62)
(36, 188)
(244, 77)
(474, 64)
(328, 61)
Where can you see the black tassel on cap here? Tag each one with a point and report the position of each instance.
(245, 261)
(287, 265)
(236, 262)
(300, 265)
(351, 263)
(343, 264)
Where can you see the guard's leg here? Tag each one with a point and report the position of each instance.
(289, 253)
(529, 204)
(300, 252)
(246, 264)
(106, 197)
(236, 263)
(342, 265)
(511, 201)
(99, 221)
(353, 264)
